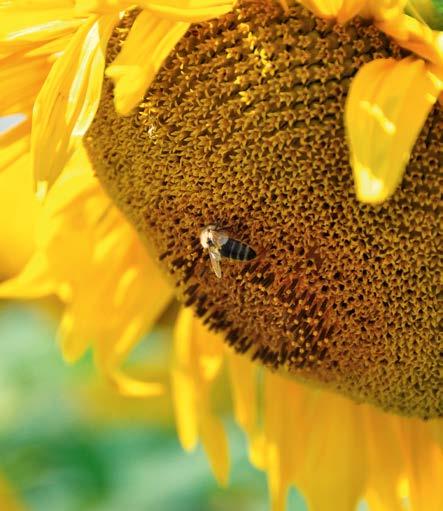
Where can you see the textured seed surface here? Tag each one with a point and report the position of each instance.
(243, 127)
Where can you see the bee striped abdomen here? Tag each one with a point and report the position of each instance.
(234, 249)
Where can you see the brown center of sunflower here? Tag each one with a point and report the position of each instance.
(243, 127)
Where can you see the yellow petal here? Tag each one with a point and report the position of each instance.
(424, 466)
(311, 440)
(73, 188)
(14, 143)
(215, 442)
(343, 10)
(79, 229)
(26, 24)
(73, 344)
(69, 98)
(114, 314)
(33, 282)
(258, 450)
(436, 429)
(149, 42)
(138, 276)
(280, 429)
(243, 376)
(183, 337)
(384, 448)
(122, 306)
(185, 408)
(133, 387)
(21, 79)
(210, 351)
(85, 7)
(416, 37)
(192, 11)
(429, 12)
(332, 453)
(194, 348)
(18, 207)
(51, 49)
(387, 105)
(184, 391)
(383, 9)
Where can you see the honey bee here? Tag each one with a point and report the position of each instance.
(218, 243)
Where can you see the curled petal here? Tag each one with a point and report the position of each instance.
(343, 10)
(429, 12)
(416, 37)
(383, 9)
(149, 42)
(387, 105)
(69, 98)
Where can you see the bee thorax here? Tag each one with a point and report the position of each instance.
(207, 236)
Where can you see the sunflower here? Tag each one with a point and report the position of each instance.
(256, 116)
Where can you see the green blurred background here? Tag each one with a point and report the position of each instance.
(67, 443)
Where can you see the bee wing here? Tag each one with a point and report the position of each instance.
(220, 238)
(215, 262)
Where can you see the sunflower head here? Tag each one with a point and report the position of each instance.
(279, 125)
(243, 128)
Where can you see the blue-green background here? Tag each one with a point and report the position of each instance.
(59, 456)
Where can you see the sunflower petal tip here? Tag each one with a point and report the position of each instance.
(68, 357)
(132, 387)
(369, 188)
(124, 107)
(113, 71)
